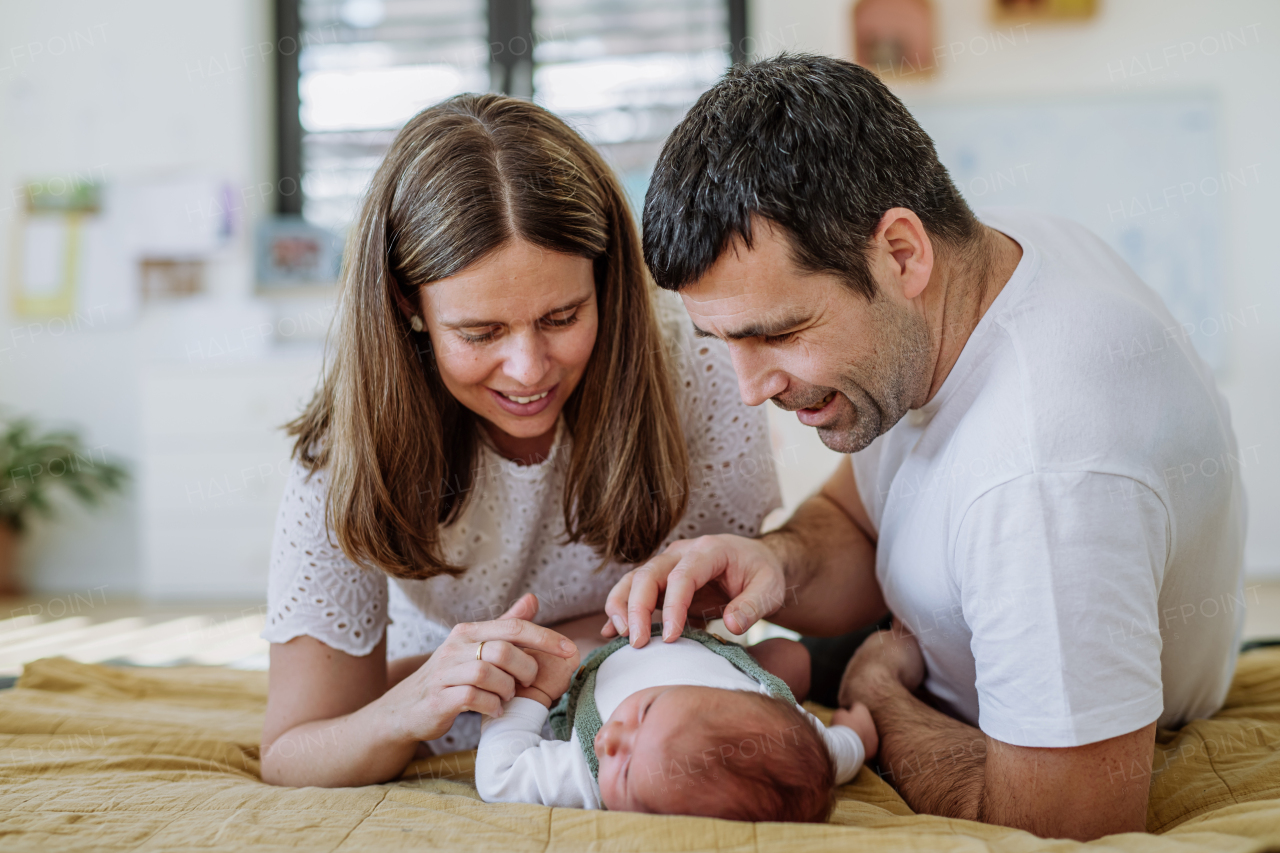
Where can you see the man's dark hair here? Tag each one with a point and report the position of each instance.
(818, 146)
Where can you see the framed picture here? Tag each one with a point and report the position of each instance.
(1044, 10)
(894, 38)
(291, 254)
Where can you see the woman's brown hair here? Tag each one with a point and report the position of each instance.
(461, 180)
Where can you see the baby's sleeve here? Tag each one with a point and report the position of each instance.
(844, 745)
(515, 765)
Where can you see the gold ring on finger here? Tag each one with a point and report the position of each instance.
(480, 649)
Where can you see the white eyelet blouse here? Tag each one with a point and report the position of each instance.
(510, 532)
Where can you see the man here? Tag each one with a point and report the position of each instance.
(1027, 491)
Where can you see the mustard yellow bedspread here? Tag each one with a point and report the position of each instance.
(96, 758)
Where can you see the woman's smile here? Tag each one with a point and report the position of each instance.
(525, 405)
(512, 336)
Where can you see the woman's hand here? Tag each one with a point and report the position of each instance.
(554, 672)
(554, 675)
(423, 706)
(703, 573)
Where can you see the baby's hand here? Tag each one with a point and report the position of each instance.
(859, 719)
(554, 675)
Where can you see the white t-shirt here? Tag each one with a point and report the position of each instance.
(510, 535)
(515, 764)
(1062, 525)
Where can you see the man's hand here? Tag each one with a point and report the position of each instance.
(815, 574)
(702, 573)
(942, 766)
(885, 658)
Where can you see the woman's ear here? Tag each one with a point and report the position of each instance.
(906, 252)
(408, 309)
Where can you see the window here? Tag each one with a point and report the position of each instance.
(362, 69)
(623, 72)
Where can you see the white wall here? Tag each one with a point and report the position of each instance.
(1107, 56)
(157, 87)
(128, 91)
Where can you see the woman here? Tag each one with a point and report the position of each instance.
(510, 409)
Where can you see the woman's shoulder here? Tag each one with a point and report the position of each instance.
(313, 588)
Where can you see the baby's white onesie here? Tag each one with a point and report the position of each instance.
(516, 765)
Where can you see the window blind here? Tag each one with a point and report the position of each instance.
(364, 68)
(624, 72)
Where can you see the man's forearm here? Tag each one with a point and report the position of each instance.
(936, 763)
(943, 767)
(830, 568)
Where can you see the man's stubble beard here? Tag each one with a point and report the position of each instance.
(899, 376)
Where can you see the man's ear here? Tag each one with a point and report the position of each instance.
(905, 252)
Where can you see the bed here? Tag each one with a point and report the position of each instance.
(98, 758)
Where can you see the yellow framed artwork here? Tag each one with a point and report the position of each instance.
(1044, 10)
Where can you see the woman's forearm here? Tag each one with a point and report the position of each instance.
(332, 720)
(354, 749)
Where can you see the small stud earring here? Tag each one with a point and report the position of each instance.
(416, 322)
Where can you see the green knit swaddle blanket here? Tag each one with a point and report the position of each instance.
(577, 707)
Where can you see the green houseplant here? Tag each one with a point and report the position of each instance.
(35, 464)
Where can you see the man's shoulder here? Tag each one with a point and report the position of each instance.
(1084, 361)
(1073, 295)
(1087, 323)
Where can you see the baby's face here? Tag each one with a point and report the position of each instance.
(634, 749)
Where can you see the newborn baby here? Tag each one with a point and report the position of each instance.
(691, 727)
